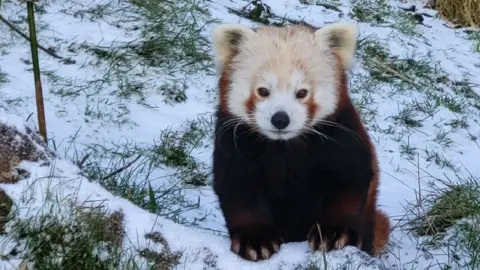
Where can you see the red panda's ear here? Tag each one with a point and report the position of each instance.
(226, 40)
(341, 37)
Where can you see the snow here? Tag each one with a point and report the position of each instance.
(67, 119)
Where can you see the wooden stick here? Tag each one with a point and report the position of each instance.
(42, 125)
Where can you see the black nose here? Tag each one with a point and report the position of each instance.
(280, 120)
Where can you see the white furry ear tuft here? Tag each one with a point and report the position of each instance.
(226, 40)
(343, 38)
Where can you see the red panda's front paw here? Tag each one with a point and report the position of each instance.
(327, 238)
(255, 242)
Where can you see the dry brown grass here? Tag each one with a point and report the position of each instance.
(5, 208)
(16, 147)
(164, 260)
(460, 12)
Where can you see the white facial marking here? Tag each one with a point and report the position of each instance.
(283, 66)
(297, 80)
(281, 99)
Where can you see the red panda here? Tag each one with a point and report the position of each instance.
(292, 160)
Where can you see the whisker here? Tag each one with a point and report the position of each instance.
(322, 135)
(337, 125)
(235, 136)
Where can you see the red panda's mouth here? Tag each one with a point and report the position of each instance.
(279, 132)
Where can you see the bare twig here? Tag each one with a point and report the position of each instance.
(119, 170)
(419, 200)
(18, 31)
(36, 72)
(396, 73)
(328, 6)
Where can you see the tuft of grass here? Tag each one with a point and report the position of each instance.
(474, 36)
(164, 260)
(174, 149)
(210, 260)
(407, 150)
(439, 159)
(257, 11)
(332, 5)
(464, 89)
(5, 209)
(3, 77)
(446, 218)
(381, 13)
(370, 11)
(174, 92)
(16, 147)
(408, 117)
(401, 73)
(454, 203)
(89, 238)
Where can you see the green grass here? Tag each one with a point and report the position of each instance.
(474, 36)
(381, 13)
(261, 13)
(332, 5)
(3, 77)
(174, 149)
(76, 241)
(446, 218)
(256, 11)
(400, 72)
(5, 209)
(87, 238)
(131, 171)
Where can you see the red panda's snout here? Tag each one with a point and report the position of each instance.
(281, 115)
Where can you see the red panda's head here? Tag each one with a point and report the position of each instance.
(282, 80)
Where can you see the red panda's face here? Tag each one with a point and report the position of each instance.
(282, 81)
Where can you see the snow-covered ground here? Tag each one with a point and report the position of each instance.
(423, 130)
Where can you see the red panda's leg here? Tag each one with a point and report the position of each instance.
(340, 222)
(247, 216)
(252, 236)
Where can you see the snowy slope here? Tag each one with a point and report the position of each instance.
(81, 114)
(61, 181)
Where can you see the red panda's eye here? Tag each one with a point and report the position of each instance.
(302, 93)
(263, 92)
